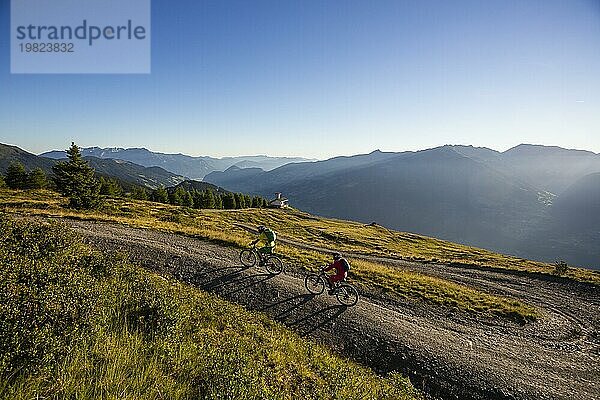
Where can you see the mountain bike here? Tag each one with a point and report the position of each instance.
(345, 293)
(251, 256)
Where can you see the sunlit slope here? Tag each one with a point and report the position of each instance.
(78, 324)
(333, 234)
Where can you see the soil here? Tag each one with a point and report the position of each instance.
(447, 353)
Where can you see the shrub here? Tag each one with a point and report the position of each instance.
(46, 293)
(560, 268)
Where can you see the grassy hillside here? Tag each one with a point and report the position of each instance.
(77, 324)
(333, 234)
(476, 196)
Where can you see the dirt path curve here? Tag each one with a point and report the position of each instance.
(449, 355)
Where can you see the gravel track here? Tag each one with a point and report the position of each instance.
(447, 353)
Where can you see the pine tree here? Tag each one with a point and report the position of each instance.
(176, 196)
(139, 193)
(110, 187)
(188, 200)
(218, 201)
(198, 198)
(16, 177)
(36, 179)
(209, 199)
(229, 202)
(247, 201)
(160, 195)
(75, 179)
(265, 203)
(2, 182)
(239, 200)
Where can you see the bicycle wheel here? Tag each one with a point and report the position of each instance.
(248, 258)
(347, 295)
(314, 284)
(274, 265)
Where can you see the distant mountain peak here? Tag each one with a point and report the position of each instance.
(195, 167)
(540, 149)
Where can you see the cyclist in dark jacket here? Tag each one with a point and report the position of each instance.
(341, 266)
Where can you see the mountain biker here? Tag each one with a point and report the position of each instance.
(341, 266)
(267, 237)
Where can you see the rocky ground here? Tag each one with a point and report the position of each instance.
(447, 353)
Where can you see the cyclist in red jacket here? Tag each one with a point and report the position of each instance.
(341, 266)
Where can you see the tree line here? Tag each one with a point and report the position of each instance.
(179, 196)
(18, 178)
(76, 180)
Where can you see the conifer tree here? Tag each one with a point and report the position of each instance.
(218, 201)
(198, 198)
(110, 187)
(239, 200)
(229, 202)
(139, 193)
(75, 179)
(209, 199)
(36, 179)
(188, 201)
(16, 177)
(176, 196)
(160, 195)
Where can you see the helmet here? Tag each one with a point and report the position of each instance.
(261, 228)
(336, 256)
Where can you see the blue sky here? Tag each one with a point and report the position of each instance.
(323, 78)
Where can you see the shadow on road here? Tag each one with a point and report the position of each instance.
(226, 280)
(300, 311)
(235, 282)
(304, 315)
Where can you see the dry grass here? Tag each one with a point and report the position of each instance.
(219, 226)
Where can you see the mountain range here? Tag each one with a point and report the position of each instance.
(125, 171)
(532, 201)
(180, 164)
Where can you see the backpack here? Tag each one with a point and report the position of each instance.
(271, 235)
(346, 265)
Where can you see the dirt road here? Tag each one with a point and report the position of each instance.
(447, 353)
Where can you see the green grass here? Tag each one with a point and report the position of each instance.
(410, 285)
(78, 324)
(219, 226)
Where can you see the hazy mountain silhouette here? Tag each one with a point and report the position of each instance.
(150, 177)
(181, 164)
(531, 201)
(548, 168)
(502, 201)
(124, 171)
